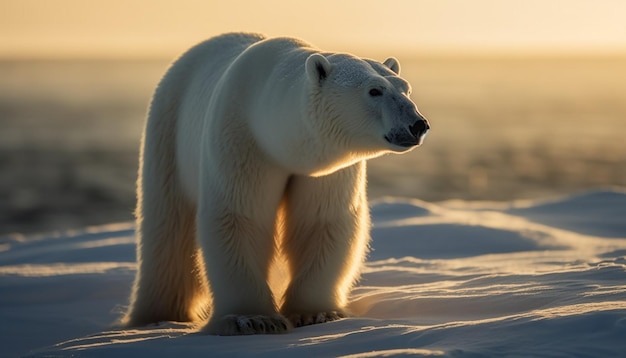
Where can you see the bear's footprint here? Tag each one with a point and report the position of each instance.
(233, 325)
(306, 319)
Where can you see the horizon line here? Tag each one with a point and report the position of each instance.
(405, 53)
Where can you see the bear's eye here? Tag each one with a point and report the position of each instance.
(375, 92)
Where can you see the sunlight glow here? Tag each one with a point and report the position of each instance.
(161, 28)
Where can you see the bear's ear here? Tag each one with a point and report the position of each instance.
(317, 68)
(393, 65)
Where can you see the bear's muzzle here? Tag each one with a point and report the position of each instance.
(409, 136)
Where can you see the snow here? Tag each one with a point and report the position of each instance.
(533, 278)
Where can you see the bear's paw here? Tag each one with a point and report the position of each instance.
(306, 319)
(237, 325)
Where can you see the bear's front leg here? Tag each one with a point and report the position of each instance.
(326, 240)
(236, 225)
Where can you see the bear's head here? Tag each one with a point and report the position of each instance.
(365, 103)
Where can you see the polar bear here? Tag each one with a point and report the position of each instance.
(256, 147)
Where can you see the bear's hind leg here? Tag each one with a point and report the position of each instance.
(170, 284)
(326, 238)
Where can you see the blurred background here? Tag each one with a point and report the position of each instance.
(527, 99)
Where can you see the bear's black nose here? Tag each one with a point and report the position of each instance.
(419, 128)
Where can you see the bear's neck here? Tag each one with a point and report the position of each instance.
(289, 134)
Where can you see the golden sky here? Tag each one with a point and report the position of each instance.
(136, 28)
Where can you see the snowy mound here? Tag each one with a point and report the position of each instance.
(600, 213)
(530, 279)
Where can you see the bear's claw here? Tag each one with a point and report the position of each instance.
(306, 319)
(236, 325)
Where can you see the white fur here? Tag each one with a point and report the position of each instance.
(253, 147)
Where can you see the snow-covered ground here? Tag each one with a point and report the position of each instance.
(452, 279)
